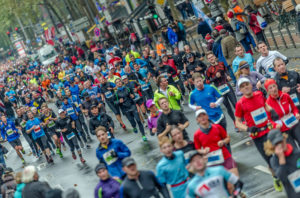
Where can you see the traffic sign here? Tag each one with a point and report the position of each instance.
(97, 32)
(208, 1)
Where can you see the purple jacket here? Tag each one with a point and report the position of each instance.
(108, 189)
(152, 121)
(254, 77)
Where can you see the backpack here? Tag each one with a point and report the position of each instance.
(133, 37)
(241, 27)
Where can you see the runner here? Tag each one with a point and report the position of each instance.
(10, 133)
(140, 183)
(154, 116)
(111, 152)
(252, 107)
(66, 126)
(171, 169)
(33, 127)
(210, 181)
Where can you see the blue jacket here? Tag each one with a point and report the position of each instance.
(172, 36)
(114, 164)
(74, 90)
(217, 50)
(74, 99)
(18, 193)
(70, 110)
(140, 62)
(9, 131)
(38, 132)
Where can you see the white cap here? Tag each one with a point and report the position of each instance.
(199, 111)
(60, 111)
(243, 80)
(111, 67)
(124, 77)
(218, 19)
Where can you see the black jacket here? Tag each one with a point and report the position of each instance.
(35, 189)
(100, 120)
(293, 80)
(147, 186)
(128, 103)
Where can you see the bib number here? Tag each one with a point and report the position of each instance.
(215, 158)
(224, 89)
(145, 87)
(175, 79)
(259, 116)
(51, 124)
(108, 94)
(37, 129)
(294, 179)
(136, 97)
(9, 132)
(23, 124)
(289, 120)
(70, 135)
(70, 111)
(295, 99)
(108, 158)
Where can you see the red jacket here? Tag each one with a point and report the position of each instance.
(171, 63)
(283, 106)
(254, 25)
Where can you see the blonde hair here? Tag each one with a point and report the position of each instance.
(238, 73)
(269, 148)
(164, 140)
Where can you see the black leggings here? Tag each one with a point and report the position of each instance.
(42, 142)
(133, 117)
(230, 96)
(73, 143)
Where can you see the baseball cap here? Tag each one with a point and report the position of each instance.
(189, 55)
(149, 103)
(246, 65)
(124, 77)
(198, 112)
(128, 161)
(60, 111)
(94, 104)
(218, 19)
(193, 154)
(275, 136)
(99, 167)
(243, 80)
(111, 67)
(163, 50)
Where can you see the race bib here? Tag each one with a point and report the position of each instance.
(76, 104)
(136, 97)
(37, 129)
(51, 124)
(70, 135)
(176, 79)
(70, 111)
(144, 87)
(295, 99)
(108, 158)
(294, 179)
(259, 116)
(215, 158)
(289, 120)
(165, 75)
(23, 124)
(9, 132)
(224, 89)
(108, 94)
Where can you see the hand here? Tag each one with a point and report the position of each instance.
(135, 90)
(131, 96)
(168, 127)
(279, 150)
(298, 116)
(218, 74)
(113, 153)
(198, 107)
(121, 100)
(298, 88)
(228, 78)
(286, 89)
(213, 105)
(258, 85)
(154, 130)
(206, 150)
(181, 126)
(171, 93)
(252, 129)
(221, 143)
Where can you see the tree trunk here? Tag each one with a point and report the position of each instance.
(173, 9)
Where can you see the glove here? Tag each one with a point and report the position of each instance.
(113, 153)
(274, 115)
(253, 129)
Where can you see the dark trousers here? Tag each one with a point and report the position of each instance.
(133, 117)
(230, 96)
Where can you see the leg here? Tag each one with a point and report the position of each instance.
(130, 118)
(228, 107)
(137, 118)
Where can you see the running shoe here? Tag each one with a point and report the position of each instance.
(89, 139)
(145, 138)
(123, 126)
(277, 185)
(60, 154)
(82, 160)
(74, 156)
(51, 160)
(23, 151)
(57, 151)
(23, 161)
(88, 146)
(64, 146)
(135, 130)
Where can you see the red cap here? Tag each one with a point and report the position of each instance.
(230, 14)
(207, 37)
(269, 82)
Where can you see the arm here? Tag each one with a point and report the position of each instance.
(161, 187)
(176, 92)
(239, 124)
(123, 150)
(165, 132)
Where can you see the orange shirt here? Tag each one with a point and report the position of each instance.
(46, 83)
(238, 9)
(159, 47)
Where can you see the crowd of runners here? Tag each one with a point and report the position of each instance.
(149, 89)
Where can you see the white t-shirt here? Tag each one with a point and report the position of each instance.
(266, 62)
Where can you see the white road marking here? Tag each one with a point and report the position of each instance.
(241, 142)
(263, 169)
